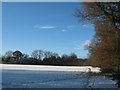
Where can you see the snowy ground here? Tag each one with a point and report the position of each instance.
(38, 76)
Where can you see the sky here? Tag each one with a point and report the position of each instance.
(48, 26)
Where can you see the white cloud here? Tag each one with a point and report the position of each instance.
(46, 27)
(79, 48)
(84, 25)
(87, 43)
(87, 25)
(80, 45)
(63, 30)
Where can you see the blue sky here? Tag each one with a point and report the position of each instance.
(48, 26)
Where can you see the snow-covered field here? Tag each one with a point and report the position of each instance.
(40, 76)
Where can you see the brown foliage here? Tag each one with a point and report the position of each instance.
(105, 49)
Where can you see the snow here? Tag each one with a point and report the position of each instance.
(40, 76)
(50, 68)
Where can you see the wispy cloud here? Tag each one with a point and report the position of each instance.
(78, 48)
(45, 27)
(84, 25)
(63, 30)
(87, 25)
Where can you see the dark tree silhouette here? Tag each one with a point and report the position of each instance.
(48, 58)
(18, 54)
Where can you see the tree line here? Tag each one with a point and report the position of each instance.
(40, 57)
(104, 50)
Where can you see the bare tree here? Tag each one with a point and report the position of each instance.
(9, 54)
(37, 54)
(47, 54)
(25, 56)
